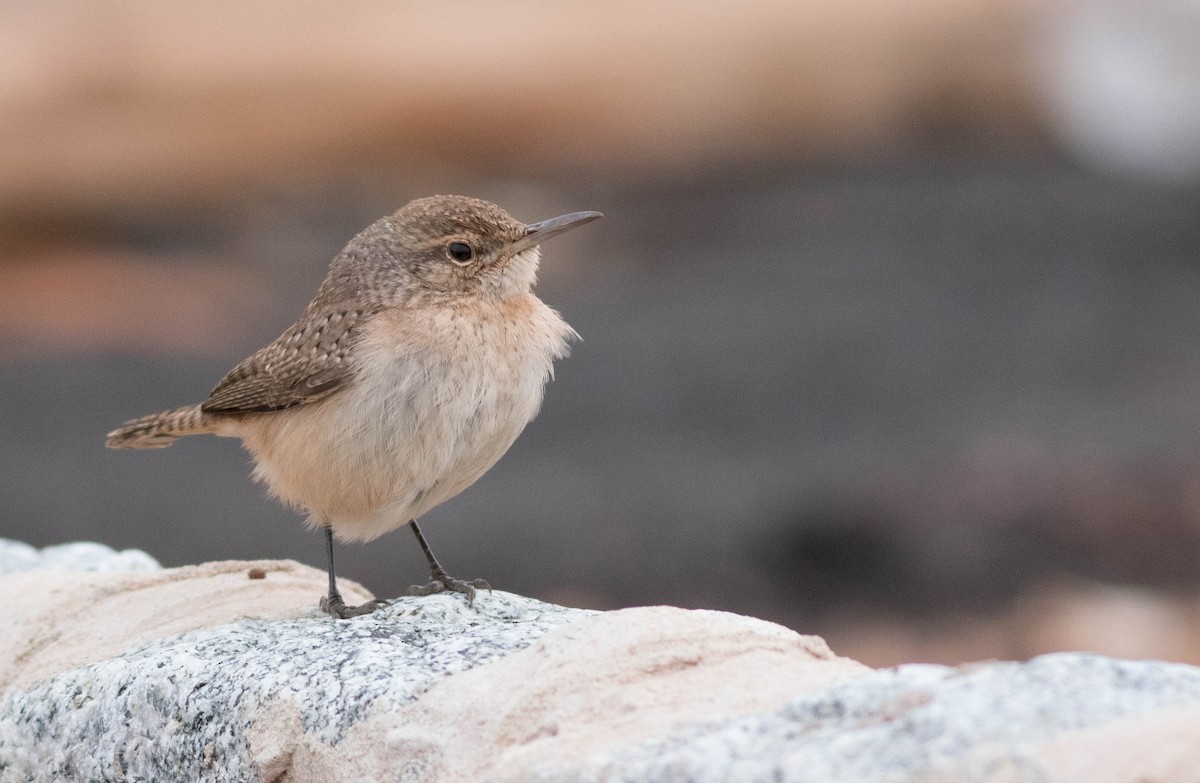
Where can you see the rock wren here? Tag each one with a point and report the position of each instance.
(419, 362)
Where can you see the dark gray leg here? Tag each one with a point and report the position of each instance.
(439, 580)
(333, 603)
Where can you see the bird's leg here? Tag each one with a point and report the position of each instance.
(439, 580)
(333, 603)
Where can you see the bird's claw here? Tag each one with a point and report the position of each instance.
(440, 581)
(337, 607)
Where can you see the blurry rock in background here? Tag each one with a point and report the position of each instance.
(141, 101)
(76, 299)
(876, 343)
(1122, 85)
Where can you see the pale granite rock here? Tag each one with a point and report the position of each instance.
(1062, 717)
(79, 556)
(203, 674)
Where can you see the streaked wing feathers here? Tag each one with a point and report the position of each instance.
(308, 362)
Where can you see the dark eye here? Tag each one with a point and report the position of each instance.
(461, 252)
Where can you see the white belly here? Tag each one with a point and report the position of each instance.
(436, 402)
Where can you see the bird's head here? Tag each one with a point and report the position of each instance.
(461, 245)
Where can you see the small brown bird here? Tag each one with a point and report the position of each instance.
(419, 362)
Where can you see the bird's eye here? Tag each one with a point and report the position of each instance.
(459, 252)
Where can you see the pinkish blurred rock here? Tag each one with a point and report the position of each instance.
(110, 103)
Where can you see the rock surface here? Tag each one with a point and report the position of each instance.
(202, 673)
(16, 556)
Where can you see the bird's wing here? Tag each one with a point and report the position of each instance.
(308, 362)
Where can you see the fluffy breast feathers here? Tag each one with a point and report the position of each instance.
(437, 396)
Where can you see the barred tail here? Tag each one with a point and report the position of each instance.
(160, 429)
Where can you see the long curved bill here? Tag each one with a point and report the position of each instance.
(537, 233)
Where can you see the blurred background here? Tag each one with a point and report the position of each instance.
(891, 332)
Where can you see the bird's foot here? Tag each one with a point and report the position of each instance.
(334, 605)
(440, 581)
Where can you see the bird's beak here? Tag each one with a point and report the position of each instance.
(537, 233)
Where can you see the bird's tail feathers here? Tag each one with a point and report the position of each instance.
(159, 430)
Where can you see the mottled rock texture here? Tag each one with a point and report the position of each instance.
(205, 674)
